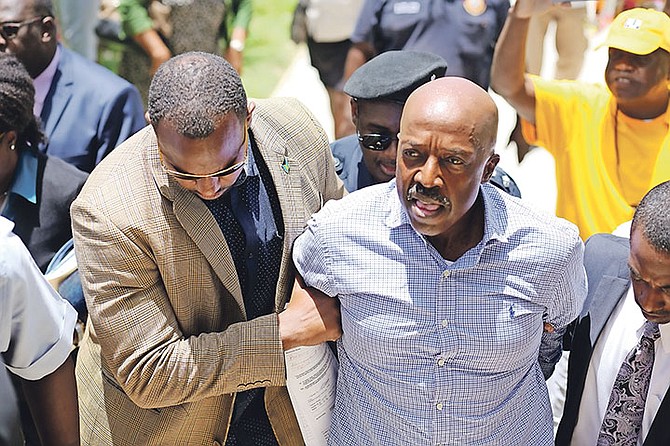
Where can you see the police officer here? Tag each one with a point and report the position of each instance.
(378, 90)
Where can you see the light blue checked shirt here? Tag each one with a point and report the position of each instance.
(435, 352)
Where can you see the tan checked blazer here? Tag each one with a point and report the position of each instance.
(167, 346)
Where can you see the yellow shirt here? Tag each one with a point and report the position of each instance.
(605, 161)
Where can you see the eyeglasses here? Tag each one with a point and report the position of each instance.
(376, 141)
(221, 173)
(10, 30)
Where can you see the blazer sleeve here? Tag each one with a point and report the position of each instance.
(121, 117)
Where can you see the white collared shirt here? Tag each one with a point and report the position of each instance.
(43, 83)
(608, 355)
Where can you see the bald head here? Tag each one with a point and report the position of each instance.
(452, 104)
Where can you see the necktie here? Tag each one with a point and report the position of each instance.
(623, 417)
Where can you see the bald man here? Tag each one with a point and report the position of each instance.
(454, 295)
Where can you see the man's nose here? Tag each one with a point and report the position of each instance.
(208, 188)
(651, 299)
(429, 175)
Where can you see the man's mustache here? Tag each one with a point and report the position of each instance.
(427, 195)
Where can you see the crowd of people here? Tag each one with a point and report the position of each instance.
(214, 232)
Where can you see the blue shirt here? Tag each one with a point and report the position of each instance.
(439, 352)
(24, 182)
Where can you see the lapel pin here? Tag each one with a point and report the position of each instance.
(285, 166)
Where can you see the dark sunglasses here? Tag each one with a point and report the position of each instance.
(221, 173)
(375, 141)
(10, 30)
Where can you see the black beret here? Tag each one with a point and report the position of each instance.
(394, 75)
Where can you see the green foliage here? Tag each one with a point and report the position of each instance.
(269, 49)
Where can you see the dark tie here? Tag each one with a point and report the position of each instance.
(623, 417)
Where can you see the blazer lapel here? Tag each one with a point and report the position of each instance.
(609, 292)
(60, 93)
(286, 177)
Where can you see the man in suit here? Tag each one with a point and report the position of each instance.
(629, 284)
(86, 109)
(183, 237)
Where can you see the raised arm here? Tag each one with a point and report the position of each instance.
(508, 77)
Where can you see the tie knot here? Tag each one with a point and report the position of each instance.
(651, 330)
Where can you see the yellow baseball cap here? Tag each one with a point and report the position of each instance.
(639, 31)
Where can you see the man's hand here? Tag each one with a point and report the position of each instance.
(310, 318)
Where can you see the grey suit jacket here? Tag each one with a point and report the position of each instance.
(606, 262)
(166, 348)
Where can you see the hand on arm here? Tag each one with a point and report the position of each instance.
(311, 317)
(53, 404)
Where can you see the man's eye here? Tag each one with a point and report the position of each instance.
(410, 153)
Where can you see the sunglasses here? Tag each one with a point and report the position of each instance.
(10, 30)
(376, 141)
(221, 173)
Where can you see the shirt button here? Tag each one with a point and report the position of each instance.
(445, 323)
(439, 406)
(446, 273)
(440, 362)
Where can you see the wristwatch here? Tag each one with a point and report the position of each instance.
(236, 45)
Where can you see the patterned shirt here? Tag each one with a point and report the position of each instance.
(439, 352)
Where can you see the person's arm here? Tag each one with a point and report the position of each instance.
(311, 317)
(121, 116)
(138, 25)
(53, 405)
(565, 305)
(242, 11)
(508, 77)
(358, 54)
(235, 50)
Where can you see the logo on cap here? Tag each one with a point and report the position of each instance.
(633, 23)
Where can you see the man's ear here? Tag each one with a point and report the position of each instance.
(490, 167)
(354, 110)
(251, 106)
(48, 30)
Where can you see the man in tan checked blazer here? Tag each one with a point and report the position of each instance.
(173, 246)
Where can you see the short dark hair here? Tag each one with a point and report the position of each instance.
(194, 91)
(652, 217)
(17, 96)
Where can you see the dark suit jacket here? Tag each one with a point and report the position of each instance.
(45, 226)
(88, 111)
(606, 262)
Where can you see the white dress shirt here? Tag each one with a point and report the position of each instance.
(609, 353)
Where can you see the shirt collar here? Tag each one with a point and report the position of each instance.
(25, 176)
(250, 168)
(43, 82)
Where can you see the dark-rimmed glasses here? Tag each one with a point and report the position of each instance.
(9, 30)
(375, 141)
(221, 173)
